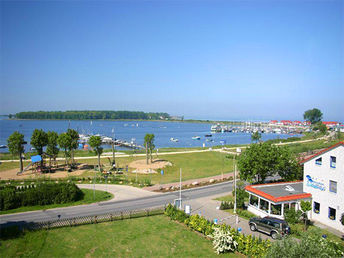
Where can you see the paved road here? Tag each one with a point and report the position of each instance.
(116, 206)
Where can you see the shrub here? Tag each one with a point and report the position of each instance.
(292, 216)
(223, 241)
(200, 224)
(245, 214)
(175, 214)
(310, 245)
(226, 205)
(241, 194)
(41, 194)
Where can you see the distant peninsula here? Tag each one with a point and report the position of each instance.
(94, 115)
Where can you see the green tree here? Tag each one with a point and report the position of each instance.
(52, 149)
(64, 141)
(74, 135)
(149, 143)
(320, 126)
(306, 206)
(313, 115)
(261, 160)
(96, 142)
(39, 139)
(15, 144)
(256, 136)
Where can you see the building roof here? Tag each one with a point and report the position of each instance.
(279, 192)
(322, 152)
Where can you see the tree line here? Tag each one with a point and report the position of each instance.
(82, 115)
(67, 142)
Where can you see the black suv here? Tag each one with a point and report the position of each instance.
(272, 226)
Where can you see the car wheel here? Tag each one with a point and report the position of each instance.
(274, 235)
(253, 227)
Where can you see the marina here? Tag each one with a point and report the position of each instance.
(130, 134)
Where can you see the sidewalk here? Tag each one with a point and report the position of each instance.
(188, 182)
(207, 207)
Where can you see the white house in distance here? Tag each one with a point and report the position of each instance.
(324, 178)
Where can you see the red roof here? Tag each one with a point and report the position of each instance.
(273, 121)
(330, 123)
(252, 189)
(322, 152)
(297, 122)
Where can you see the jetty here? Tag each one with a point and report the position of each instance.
(83, 139)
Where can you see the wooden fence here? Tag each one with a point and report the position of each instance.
(70, 222)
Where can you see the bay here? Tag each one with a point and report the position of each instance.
(129, 130)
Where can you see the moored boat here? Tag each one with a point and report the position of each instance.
(196, 138)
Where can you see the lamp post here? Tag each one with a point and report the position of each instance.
(238, 151)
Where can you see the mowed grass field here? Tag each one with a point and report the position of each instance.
(155, 236)
(194, 165)
(88, 198)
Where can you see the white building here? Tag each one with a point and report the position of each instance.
(274, 198)
(323, 178)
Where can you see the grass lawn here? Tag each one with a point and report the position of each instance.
(194, 165)
(226, 198)
(154, 236)
(88, 198)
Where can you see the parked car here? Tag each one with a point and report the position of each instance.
(273, 226)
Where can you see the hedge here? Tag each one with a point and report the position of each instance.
(247, 244)
(12, 197)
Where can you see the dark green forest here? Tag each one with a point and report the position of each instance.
(81, 115)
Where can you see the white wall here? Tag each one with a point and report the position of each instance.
(323, 174)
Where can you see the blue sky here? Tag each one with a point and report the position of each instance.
(201, 59)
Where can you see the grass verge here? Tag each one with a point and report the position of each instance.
(88, 198)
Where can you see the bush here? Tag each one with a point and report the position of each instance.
(246, 245)
(226, 205)
(245, 214)
(200, 224)
(292, 216)
(176, 214)
(241, 195)
(223, 241)
(310, 245)
(41, 194)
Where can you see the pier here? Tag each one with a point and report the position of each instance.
(83, 139)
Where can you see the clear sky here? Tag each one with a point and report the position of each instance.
(201, 59)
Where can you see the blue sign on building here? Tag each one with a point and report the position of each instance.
(315, 184)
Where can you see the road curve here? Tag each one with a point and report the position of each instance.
(115, 206)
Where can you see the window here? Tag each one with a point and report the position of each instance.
(316, 207)
(276, 209)
(331, 213)
(254, 200)
(333, 186)
(333, 162)
(318, 161)
(264, 205)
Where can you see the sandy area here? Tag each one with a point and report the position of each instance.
(141, 167)
(12, 174)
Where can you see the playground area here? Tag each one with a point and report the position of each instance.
(39, 166)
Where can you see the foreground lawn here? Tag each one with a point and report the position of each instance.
(88, 198)
(155, 236)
